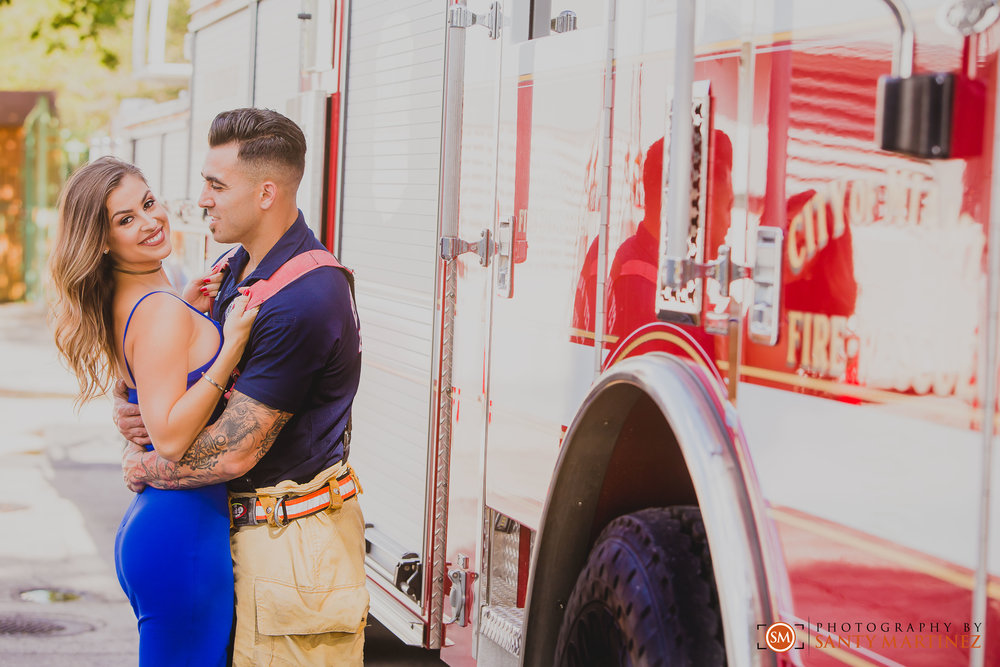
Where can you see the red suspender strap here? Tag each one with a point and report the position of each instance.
(218, 266)
(292, 270)
(289, 272)
(221, 264)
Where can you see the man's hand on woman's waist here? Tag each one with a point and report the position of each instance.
(126, 416)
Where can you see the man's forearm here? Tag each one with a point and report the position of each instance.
(225, 450)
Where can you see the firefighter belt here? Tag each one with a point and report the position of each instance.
(278, 508)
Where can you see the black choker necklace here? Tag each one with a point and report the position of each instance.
(137, 273)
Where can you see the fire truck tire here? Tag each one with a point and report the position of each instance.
(646, 596)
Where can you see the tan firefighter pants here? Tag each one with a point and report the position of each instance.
(300, 589)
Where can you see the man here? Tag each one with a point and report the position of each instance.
(300, 582)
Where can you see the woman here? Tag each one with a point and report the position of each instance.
(116, 316)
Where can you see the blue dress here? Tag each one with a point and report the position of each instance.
(174, 563)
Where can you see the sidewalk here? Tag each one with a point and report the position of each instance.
(61, 497)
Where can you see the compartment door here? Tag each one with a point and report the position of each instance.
(391, 165)
(551, 110)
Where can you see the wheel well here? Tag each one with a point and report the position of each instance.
(652, 433)
(646, 467)
(621, 456)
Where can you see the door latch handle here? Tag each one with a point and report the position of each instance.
(765, 273)
(765, 312)
(506, 250)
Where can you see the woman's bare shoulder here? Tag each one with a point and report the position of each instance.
(157, 312)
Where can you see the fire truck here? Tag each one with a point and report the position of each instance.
(680, 318)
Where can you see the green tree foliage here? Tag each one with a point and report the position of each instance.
(87, 92)
(86, 20)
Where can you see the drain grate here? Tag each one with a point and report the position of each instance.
(25, 625)
(19, 624)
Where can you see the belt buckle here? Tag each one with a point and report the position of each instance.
(242, 511)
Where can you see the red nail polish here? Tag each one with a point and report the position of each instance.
(205, 280)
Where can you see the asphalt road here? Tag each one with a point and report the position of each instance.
(61, 499)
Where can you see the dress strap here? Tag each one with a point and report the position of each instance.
(129, 321)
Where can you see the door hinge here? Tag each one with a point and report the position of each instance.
(460, 16)
(452, 247)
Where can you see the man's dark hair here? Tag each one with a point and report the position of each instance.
(266, 140)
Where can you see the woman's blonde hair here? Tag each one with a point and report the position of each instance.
(81, 273)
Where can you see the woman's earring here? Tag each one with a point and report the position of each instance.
(106, 250)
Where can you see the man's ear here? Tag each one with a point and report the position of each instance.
(268, 194)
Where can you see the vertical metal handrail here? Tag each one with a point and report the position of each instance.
(678, 209)
(988, 373)
(254, 35)
(607, 120)
(439, 454)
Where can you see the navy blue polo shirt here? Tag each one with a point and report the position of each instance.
(303, 357)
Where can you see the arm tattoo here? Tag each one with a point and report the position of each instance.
(245, 431)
